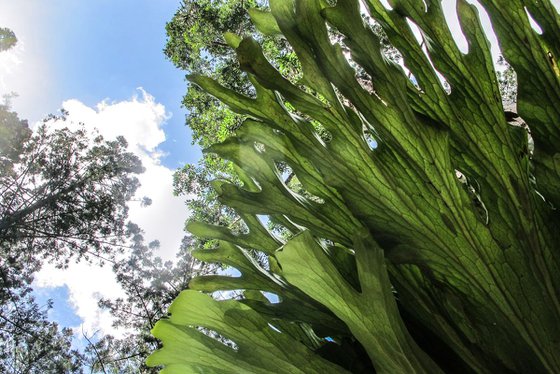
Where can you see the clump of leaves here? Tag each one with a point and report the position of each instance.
(436, 250)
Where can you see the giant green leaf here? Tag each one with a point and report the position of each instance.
(457, 267)
(259, 347)
(371, 313)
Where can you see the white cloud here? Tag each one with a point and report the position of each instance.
(140, 120)
(25, 69)
(86, 285)
(10, 63)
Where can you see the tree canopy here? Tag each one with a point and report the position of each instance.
(150, 285)
(66, 195)
(63, 197)
(8, 39)
(424, 234)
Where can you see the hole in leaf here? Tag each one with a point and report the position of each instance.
(260, 147)
(387, 49)
(283, 169)
(452, 20)
(227, 295)
(263, 218)
(274, 328)
(276, 227)
(272, 225)
(293, 183)
(272, 297)
(534, 25)
(322, 133)
(218, 337)
(239, 227)
(260, 258)
(230, 272)
(370, 140)
(507, 81)
(282, 228)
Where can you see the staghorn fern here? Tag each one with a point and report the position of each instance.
(434, 251)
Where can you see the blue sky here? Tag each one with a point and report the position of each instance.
(62, 310)
(92, 57)
(95, 50)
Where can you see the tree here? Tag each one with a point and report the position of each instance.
(150, 285)
(196, 43)
(63, 197)
(13, 134)
(7, 39)
(30, 343)
(66, 196)
(433, 250)
(508, 84)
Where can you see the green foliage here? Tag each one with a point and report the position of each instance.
(63, 197)
(30, 343)
(7, 39)
(195, 43)
(436, 250)
(198, 42)
(13, 134)
(67, 195)
(278, 352)
(150, 285)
